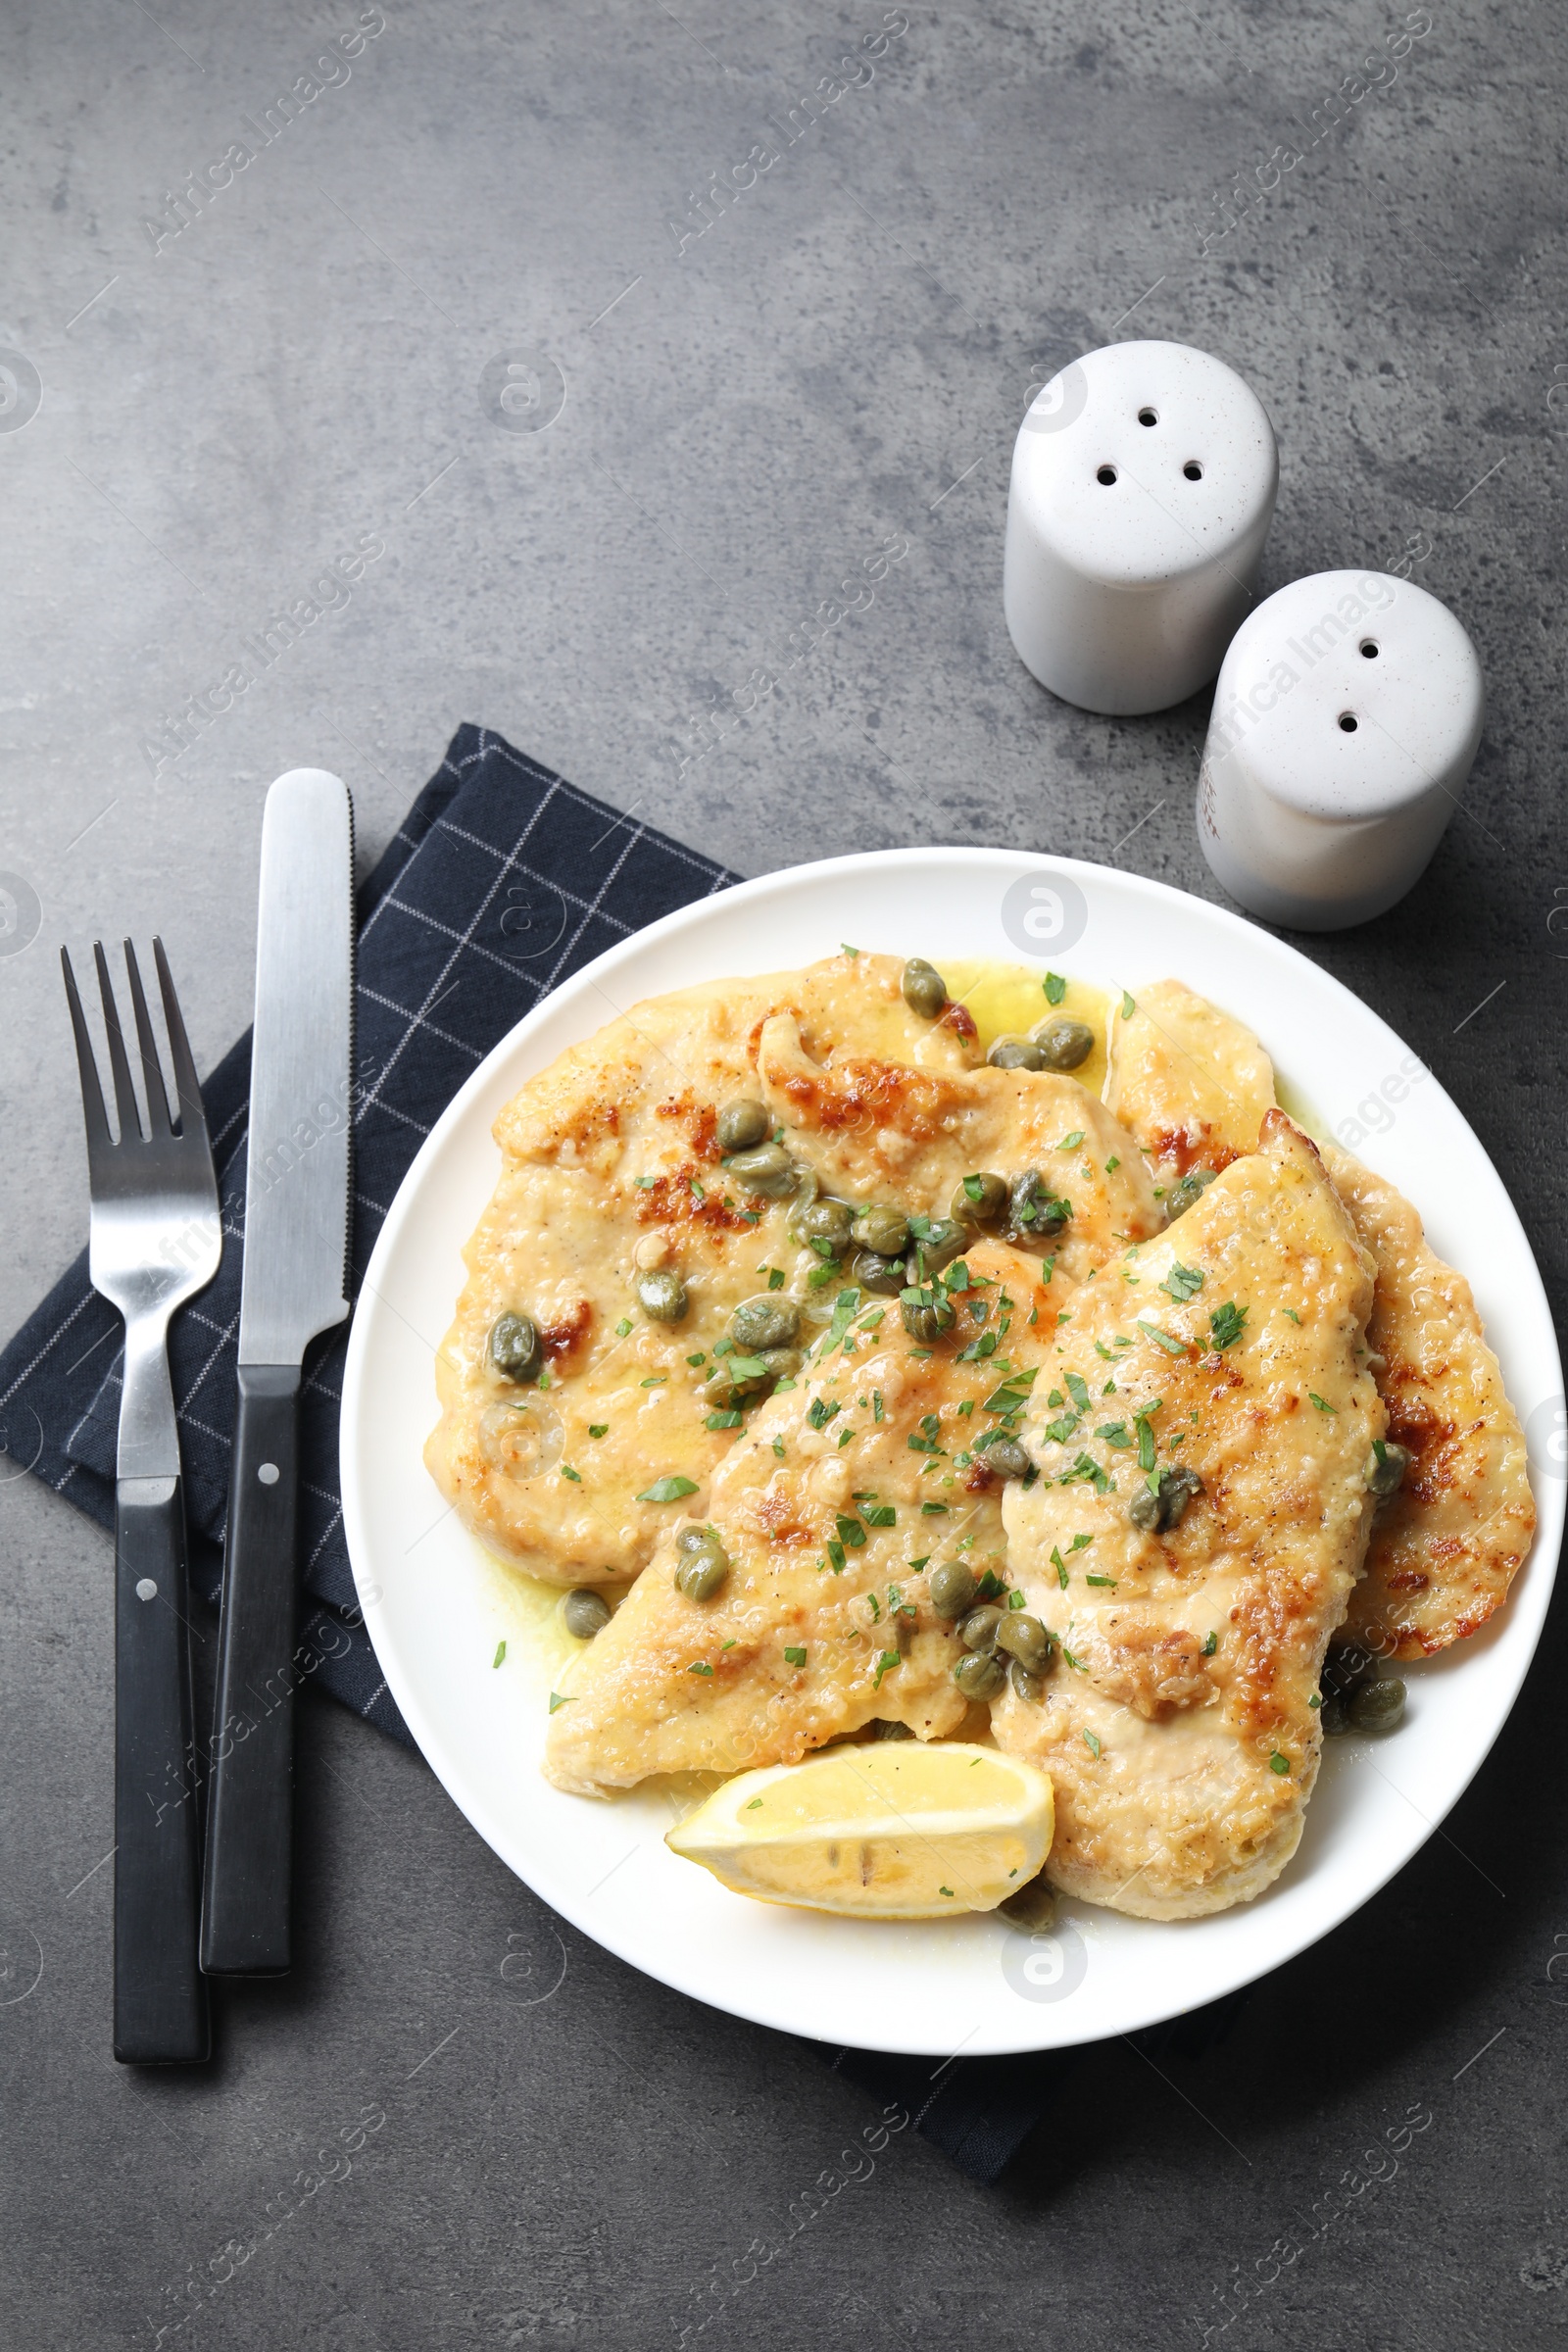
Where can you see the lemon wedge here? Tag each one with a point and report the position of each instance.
(886, 1832)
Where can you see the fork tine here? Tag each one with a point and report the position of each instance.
(152, 1072)
(92, 1101)
(126, 1111)
(186, 1085)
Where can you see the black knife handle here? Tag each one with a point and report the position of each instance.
(160, 1998)
(247, 1905)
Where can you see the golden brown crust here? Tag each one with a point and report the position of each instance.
(1446, 1547)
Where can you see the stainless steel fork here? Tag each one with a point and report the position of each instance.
(156, 1240)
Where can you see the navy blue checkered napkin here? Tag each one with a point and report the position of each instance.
(502, 881)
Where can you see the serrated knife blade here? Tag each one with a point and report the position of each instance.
(292, 1286)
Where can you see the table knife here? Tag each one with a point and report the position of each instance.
(292, 1287)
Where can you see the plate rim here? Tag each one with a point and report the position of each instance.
(1550, 1496)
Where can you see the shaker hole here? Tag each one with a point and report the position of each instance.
(1193, 471)
(1107, 474)
(1148, 417)
(1369, 649)
(1347, 723)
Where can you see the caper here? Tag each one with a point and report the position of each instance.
(1186, 1191)
(925, 1319)
(1386, 1466)
(1034, 1905)
(782, 1363)
(703, 1564)
(514, 1346)
(1025, 1638)
(890, 1730)
(585, 1613)
(884, 1275)
(883, 1229)
(981, 1206)
(769, 1170)
(1378, 1706)
(739, 1124)
(979, 1677)
(1007, 1458)
(764, 1322)
(953, 1588)
(1177, 1489)
(1334, 1715)
(662, 1294)
(926, 992)
(1015, 1054)
(1063, 1043)
(1034, 1213)
(825, 1221)
(1155, 1509)
(1144, 1508)
(978, 1630)
(1028, 1685)
(942, 1243)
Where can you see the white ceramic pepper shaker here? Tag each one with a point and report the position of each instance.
(1345, 720)
(1142, 488)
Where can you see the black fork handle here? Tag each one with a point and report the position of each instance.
(248, 1906)
(160, 1998)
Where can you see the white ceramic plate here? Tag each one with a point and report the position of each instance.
(436, 1606)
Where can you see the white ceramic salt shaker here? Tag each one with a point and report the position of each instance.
(1345, 718)
(1142, 487)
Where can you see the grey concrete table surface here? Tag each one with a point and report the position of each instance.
(549, 366)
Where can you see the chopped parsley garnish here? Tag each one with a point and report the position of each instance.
(1145, 1441)
(848, 950)
(1322, 1402)
(1084, 1467)
(933, 1510)
(1210, 1644)
(1080, 1542)
(990, 1587)
(880, 1514)
(699, 1358)
(1162, 1339)
(700, 1668)
(1101, 1579)
(1059, 1565)
(1182, 1282)
(1061, 1429)
(501, 1651)
(973, 1187)
(1078, 1391)
(623, 1328)
(851, 1532)
(668, 1489)
(924, 1439)
(555, 1701)
(1226, 1324)
(945, 1890)
(575, 1476)
(979, 1349)
(794, 1657)
(876, 1404)
(886, 1660)
(598, 1428)
(1291, 1311)
(729, 1420)
(1102, 1349)
(753, 1806)
(1055, 988)
(778, 1448)
(776, 1281)
(655, 1380)
(1128, 1008)
(1070, 1143)
(821, 1413)
(1114, 1432)
(835, 1552)
(1017, 1600)
(1091, 1743)
(1279, 1763)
